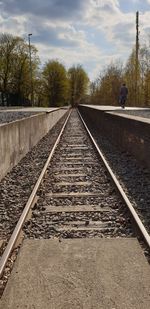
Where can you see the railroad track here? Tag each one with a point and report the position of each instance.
(76, 195)
(77, 198)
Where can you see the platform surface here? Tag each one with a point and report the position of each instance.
(30, 109)
(134, 113)
(79, 273)
(117, 108)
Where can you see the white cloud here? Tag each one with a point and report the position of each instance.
(70, 56)
(106, 16)
(15, 25)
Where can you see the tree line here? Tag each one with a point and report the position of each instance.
(52, 85)
(105, 89)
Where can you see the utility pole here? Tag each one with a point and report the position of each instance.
(31, 79)
(137, 59)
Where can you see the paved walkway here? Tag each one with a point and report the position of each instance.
(79, 273)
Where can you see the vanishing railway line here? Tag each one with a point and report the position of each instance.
(77, 198)
(76, 195)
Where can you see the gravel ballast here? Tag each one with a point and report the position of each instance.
(6, 117)
(75, 150)
(17, 185)
(134, 178)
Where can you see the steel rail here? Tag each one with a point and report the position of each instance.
(135, 216)
(27, 207)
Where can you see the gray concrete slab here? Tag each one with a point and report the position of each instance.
(63, 168)
(102, 228)
(75, 183)
(69, 175)
(132, 117)
(77, 163)
(79, 273)
(116, 108)
(17, 138)
(29, 109)
(78, 208)
(128, 112)
(72, 194)
(74, 148)
(73, 157)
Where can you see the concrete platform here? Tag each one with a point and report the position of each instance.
(18, 137)
(138, 113)
(79, 273)
(116, 108)
(30, 109)
(129, 133)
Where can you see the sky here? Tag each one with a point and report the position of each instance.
(92, 33)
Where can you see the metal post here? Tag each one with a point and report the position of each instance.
(31, 80)
(137, 59)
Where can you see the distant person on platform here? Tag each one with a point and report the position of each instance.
(123, 95)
